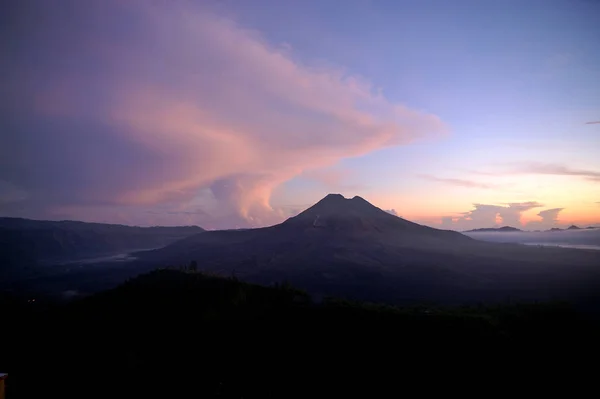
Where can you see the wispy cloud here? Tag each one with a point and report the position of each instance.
(556, 169)
(145, 103)
(539, 168)
(592, 123)
(457, 182)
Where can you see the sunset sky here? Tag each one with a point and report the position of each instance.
(233, 113)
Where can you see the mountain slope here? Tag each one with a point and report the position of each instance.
(348, 247)
(356, 216)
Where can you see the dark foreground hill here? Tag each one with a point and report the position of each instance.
(172, 334)
(26, 243)
(350, 248)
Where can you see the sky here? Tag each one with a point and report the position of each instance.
(231, 113)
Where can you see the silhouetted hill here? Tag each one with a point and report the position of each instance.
(171, 334)
(573, 227)
(505, 229)
(350, 248)
(25, 243)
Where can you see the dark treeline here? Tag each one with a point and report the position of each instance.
(176, 334)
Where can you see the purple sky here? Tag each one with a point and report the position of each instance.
(233, 114)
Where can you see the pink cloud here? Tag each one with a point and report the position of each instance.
(335, 179)
(548, 219)
(202, 103)
(485, 216)
(331, 177)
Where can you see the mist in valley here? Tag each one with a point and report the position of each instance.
(582, 238)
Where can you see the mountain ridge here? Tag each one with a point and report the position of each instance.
(504, 229)
(26, 243)
(26, 223)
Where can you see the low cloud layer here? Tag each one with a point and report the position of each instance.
(146, 104)
(485, 215)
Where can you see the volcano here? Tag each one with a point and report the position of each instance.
(348, 247)
(336, 213)
(356, 217)
(342, 215)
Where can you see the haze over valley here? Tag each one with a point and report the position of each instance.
(575, 237)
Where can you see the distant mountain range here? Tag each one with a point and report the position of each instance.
(505, 229)
(572, 227)
(350, 248)
(25, 242)
(509, 229)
